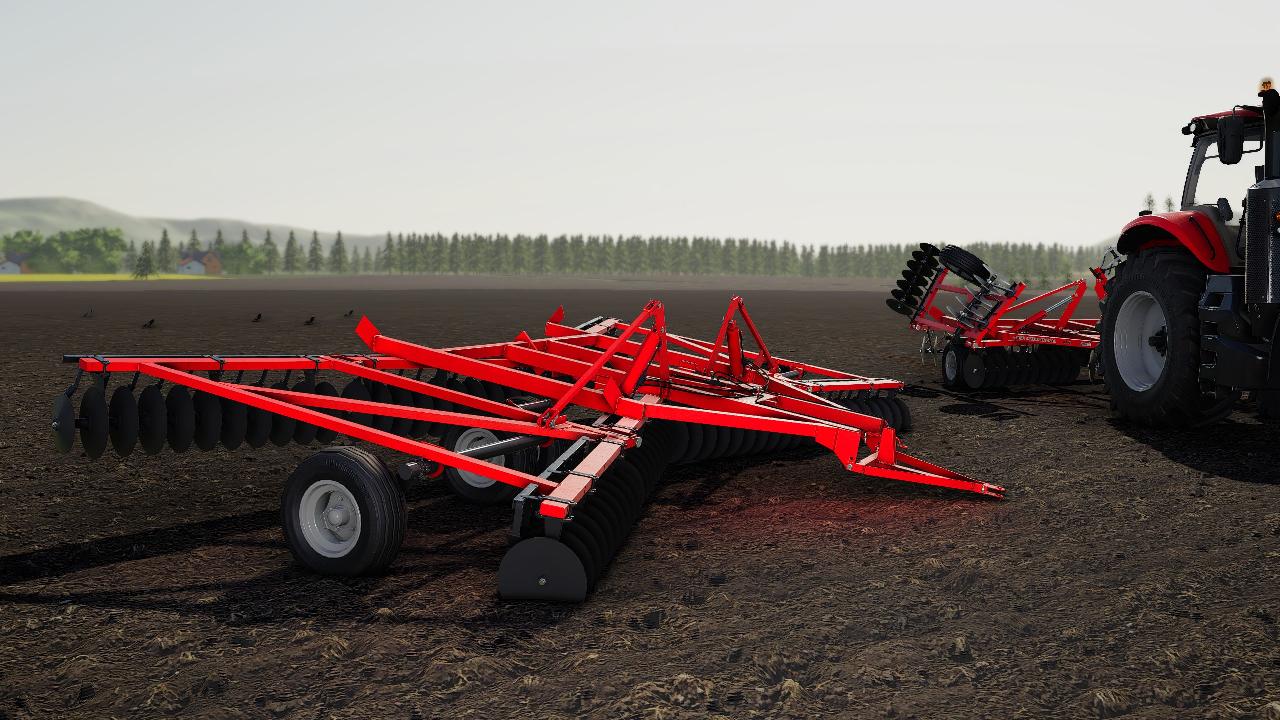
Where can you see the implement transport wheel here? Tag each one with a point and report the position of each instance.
(953, 358)
(476, 488)
(1151, 342)
(343, 513)
(965, 264)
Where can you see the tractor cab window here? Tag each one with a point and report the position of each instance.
(1216, 180)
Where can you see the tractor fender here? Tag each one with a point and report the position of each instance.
(1189, 229)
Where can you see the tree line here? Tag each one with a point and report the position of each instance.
(106, 250)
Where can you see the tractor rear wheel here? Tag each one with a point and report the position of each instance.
(1151, 342)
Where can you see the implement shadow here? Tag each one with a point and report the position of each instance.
(1233, 449)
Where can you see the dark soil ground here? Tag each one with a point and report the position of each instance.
(1129, 573)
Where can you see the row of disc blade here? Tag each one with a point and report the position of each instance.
(921, 269)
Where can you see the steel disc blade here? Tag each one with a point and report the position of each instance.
(64, 423)
(421, 428)
(909, 276)
(304, 433)
(913, 266)
(235, 423)
(257, 427)
(327, 389)
(930, 249)
(153, 422)
(181, 414)
(282, 427)
(918, 255)
(898, 295)
(401, 426)
(95, 422)
(356, 390)
(903, 285)
(898, 306)
(382, 394)
(124, 421)
(208, 425)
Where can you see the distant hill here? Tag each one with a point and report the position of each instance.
(49, 215)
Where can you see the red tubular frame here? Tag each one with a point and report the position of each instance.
(1038, 328)
(629, 372)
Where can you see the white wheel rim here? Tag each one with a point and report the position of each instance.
(330, 518)
(1140, 363)
(951, 365)
(473, 438)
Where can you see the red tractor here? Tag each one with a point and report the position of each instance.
(1190, 316)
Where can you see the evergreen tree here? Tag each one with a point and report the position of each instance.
(366, 265)
(338, 255)
(193, 244)
(1168, 204)
(315, 254)
(389, 264)
(165, 262)
(220, 245)
(292, 254)
(270, 255)
(1149, 202)
(145, 265)
(130, 259)
(244, 254)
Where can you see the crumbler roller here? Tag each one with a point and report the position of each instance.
(572, 430)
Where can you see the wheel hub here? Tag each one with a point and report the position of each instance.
(329, 518)
(1140, 341)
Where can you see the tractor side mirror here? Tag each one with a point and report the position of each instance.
(1230, 139)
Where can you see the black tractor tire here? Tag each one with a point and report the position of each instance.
(359, 477)
(965, 264)
(1171, 396)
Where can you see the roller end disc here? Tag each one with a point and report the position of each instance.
(64, 423)
(152, 420)
(96, 424)
(124, 421)
(898, 306)
(542, 569)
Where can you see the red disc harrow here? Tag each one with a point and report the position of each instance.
(573, 430)
(987, 333)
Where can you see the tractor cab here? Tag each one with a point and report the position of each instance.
(1220, 174)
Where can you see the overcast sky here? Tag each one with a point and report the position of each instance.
(821, 122)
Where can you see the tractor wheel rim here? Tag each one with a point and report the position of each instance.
(473, 438)
(1139, 362)
(951, 365)
(330, 518)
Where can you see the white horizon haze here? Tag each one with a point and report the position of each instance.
(810, 122)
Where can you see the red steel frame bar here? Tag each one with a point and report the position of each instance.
(626, 371)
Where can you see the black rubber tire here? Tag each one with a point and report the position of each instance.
(952, 363)
(965, 264)
(377, 494)
(1176, 281)
(496, 494)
